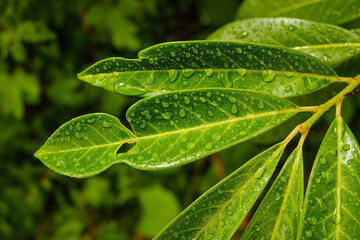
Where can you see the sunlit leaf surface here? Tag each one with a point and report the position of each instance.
(329, 43)
(169, 130)
(212, 64)
(332, 202)
(218, 213)
(327, 11)
(278, 215)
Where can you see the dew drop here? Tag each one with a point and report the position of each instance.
(322, 160)
(234, 109)
(106, 124)
(243, 133)
(232, 99)
(216, 136)
(313, 220)
(332, 152)
(346, 147)
(167, 115)
(182, 113)
(210, 113)
(173, 75)
(242, 34)
(209, 146)
(209, 72)
(308, 234)
(78, 127)
(150, 80)
(277, 196)
(239, 50)
(260, 105)
(78, 136)
(268, 76)
(188, 72)
(165, 104)
(186, 100)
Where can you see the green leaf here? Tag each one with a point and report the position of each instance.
(170, 129)
(327, 11)
(331, 208)
(159, 206)
(329, 43)
(278, 215)
(212, 64)
(218, 213)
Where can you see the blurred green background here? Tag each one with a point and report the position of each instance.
(43, 45)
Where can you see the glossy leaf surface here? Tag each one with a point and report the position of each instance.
(278, 215)
(332, 200)
(329, 43)
(218, 213)
(327, 11)
(169, 130)
(212, 64)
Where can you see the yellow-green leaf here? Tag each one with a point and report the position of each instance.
(329, 43)
(331, 209)
(278, 215)
(218, 212)
(169, 130)
(212, 64)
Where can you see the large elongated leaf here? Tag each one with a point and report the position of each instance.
(169, 129)
(278, 216)
(332, 201)
(329, 43)
(327, 11)
(218, 213)
(209, 64)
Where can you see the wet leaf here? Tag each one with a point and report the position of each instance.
(331, 208)
(278, 215)
(327, 11)
(212, 64)
(218, 213)
(169, 130)
(329, 43)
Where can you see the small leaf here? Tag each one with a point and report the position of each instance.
(279, 213)
(327, 11)
(332, 201)
(210, 64)
(159, 206)
(329, 43)
(218, 213)
(170, 130)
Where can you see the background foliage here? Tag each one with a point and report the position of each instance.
(43, 44)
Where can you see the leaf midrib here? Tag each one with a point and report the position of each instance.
(296, 162)
(136, 139)
(333, 45)
(331, 78)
